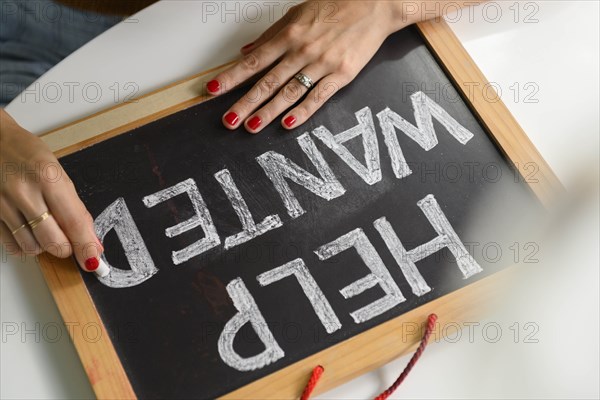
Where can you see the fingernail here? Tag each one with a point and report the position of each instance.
(98, 266)
(91, 264)
(231, 118)
(289, 121)
(213, 86)
(247, 46)
(254, 122)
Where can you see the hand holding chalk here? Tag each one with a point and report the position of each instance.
(39, 208)
(97, 265)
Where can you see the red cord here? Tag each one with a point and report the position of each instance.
(318, 370)
(312, 382)
(430, 325)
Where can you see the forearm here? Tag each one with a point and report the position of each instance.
(8, 128)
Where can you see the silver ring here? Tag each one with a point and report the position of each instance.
(303, 79)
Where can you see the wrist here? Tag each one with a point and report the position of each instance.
(7, 123)
(10, 131)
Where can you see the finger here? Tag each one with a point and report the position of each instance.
(46, 231)
(8, 241)
(262, 91)
(322, 92)
(250, 64)
(255, 61)
(268, 34)
(289, 95)
(77, 224)
(14, 221)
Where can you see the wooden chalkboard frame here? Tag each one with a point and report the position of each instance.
(353, 356)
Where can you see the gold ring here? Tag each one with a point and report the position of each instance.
(18, 229)
(38, 220)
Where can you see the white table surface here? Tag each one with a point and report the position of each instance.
(553, 52)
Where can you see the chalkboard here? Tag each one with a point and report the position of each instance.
(394, 162)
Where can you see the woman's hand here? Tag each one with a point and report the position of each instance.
(328, 41)
(33, 182)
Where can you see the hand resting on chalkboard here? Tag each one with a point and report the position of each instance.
(39, 208)
(318, 46)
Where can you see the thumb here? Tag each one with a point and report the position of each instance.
(78, 225)
(89, 255)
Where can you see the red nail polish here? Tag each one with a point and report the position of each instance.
(213, 86)
(231, 118)
(289, 121)
(91, 264)
(248, 46)
(254, 122)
